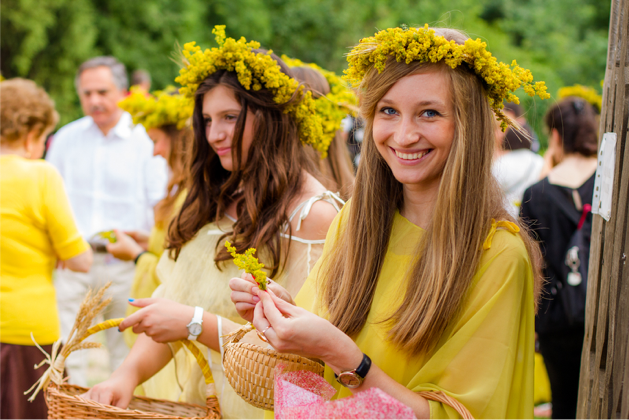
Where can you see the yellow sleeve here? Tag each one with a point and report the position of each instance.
(485, 359)
(62, 230)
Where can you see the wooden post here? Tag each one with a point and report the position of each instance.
(604, 383)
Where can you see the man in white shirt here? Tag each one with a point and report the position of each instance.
(113, 181)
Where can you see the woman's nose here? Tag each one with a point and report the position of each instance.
(407, 132)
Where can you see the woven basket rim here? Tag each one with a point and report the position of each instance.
(57, 392)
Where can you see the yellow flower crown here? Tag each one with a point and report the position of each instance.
(255, 71)
(162, 108)
(584, 92)
(332, 107)
(421, 44)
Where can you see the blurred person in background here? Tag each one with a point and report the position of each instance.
(38, 229)
(142, 79)
(337, 171)
(516, 112)
(113, 181)
(515, 166)
(558, 210)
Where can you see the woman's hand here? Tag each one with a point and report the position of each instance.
(125, 248)
(140, 237)
(161, 319)
(245, 297)
(116, 391)
(291, 329)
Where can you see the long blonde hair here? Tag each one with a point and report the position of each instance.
(451, 247)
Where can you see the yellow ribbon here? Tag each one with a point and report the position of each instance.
(511, 227)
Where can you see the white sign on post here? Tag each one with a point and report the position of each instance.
(604, 182)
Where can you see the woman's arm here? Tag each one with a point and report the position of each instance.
(166, 321)
(145, 359)
(80, 263)
(291, 329)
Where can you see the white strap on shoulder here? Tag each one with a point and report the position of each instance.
(306, 206)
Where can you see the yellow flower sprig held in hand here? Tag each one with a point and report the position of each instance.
(249, 263)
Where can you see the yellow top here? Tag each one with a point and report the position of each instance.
(37, 227)
(485, 357)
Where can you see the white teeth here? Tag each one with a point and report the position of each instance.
(413, 156)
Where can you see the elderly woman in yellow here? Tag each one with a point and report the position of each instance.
(426, 282)
(38, 229)
(250, 183)
(165, 115)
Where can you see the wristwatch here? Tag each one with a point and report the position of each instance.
(195, 326)
(354, 378)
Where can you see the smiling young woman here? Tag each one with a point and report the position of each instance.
(426, 282)
(249, 183)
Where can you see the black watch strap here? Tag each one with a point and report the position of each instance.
(363, 369)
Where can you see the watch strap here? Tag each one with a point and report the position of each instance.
(363, 369)
(197, 318)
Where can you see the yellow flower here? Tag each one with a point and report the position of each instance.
(255, 71)
(331, 108)
(584, 92)
(421, 44)
(249, 263)
(159, 109)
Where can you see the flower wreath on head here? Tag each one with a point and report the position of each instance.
(586, 93)
(334, 106)
(164, 107)
(423, 45)
(255, 71)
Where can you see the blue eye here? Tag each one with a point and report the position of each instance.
(388, 111)
(431, 113)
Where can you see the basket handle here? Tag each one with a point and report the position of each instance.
(201, 360)
(448, 400)
(237, 335)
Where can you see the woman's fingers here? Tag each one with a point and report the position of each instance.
(271, 312)
(243, 297)
(241, 285)
(132, 320)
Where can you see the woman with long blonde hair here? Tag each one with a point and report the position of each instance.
(426, 282)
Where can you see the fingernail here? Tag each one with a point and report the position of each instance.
(119, 330)
(256, 299)
(131, 300)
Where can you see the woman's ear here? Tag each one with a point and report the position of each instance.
(556, 145)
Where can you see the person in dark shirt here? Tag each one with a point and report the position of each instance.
(554, 208)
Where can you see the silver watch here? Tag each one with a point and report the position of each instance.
(195, 327)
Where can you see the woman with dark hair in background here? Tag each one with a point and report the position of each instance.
(557, 209)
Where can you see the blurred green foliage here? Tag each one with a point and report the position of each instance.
(562, 41)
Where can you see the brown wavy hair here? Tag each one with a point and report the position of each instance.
(24, 107)
(451, 247)
(336, 171)
(179, 163)
(263, 188)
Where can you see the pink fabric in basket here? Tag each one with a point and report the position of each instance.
(305, 395)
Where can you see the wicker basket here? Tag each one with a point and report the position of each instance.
(250, 369)
(64, 401)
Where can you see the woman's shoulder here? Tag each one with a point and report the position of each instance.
(504, 242)
(313, 211)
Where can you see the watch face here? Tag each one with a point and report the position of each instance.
(195, 329)
(350, 379)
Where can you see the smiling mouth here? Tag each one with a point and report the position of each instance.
(412, 156)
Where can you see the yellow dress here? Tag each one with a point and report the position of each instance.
(485, 357)
(195, 280)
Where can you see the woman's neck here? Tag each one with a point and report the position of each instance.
(573, 170)
(419, 203)
(19, 151)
